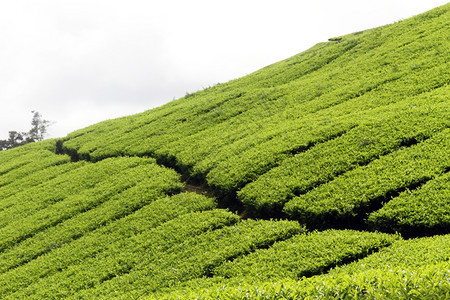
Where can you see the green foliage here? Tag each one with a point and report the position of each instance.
(396, 126)
(107, 251)
(19, 171)
(352, 133)
(234, 133)
(408, 269)
(353, 194)
(424, 210)
(406, 254)
(193, 258)
(426, 282)
(125, 203)
(304, 255)
(94, 184)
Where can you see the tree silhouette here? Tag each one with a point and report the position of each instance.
(36, 133)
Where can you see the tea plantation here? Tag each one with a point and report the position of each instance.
(325, 175)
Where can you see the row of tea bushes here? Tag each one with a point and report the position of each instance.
(425, 282)
(357, 192)
(105, 253)
(195, 257)
(407, 269)
(400, 125)
(305, 255)
(425, 210)
(77, 192)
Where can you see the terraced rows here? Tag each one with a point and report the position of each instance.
(307, 159)
(412, 269)
(274, 136)
(96, 229)
(397, 126)
(359, 191)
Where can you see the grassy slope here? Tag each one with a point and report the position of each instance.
(350, 134)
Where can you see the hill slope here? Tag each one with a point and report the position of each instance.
(323, 157)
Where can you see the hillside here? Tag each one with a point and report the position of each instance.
(323, 175)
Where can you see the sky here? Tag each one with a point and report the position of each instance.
(79, 62)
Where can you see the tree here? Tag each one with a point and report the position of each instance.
(38, 129)
(36, 133)
(15, 139)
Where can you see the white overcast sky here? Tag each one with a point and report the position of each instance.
(79, 62)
